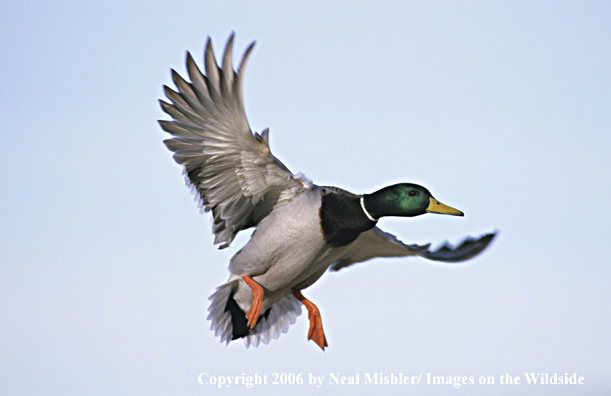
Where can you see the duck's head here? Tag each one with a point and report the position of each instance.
(404, 199)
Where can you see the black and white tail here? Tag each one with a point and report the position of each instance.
(229, 321)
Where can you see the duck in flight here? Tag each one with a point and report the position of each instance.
(302, 229)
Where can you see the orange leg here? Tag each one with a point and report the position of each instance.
(257, 301)
(316, 333)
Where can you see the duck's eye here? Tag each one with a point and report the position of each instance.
(413, 193)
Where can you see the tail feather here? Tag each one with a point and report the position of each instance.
(220, 321)
(229, 321)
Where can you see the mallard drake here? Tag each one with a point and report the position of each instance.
(302, 229)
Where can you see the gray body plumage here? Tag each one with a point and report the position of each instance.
(287, 251)
(236, 177)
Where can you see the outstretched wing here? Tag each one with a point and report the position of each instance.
(377, 243)
(233, 171)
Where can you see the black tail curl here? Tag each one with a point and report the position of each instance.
(238, 318)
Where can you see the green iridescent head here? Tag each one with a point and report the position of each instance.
(404, 199)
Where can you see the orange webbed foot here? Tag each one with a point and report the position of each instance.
(316, 332)
(257, 302)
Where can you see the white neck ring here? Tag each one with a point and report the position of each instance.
(365, 210)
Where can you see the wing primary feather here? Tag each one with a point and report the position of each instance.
(196, 76)
(181, 118)
(228, 73)
(199, 83)
(212, 70)
(213, 77)
(188, 98)
(173, 128)
(468, 248)
(239, 81)
(188, 93)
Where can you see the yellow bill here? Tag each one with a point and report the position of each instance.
(437, 207)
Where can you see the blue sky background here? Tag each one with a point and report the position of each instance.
(501, 109)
